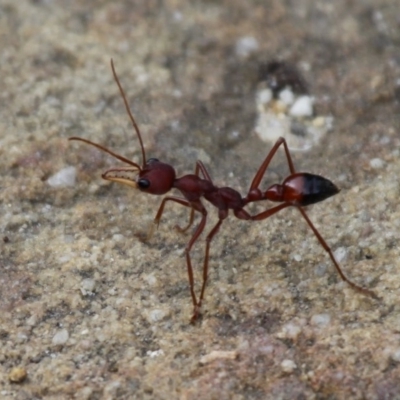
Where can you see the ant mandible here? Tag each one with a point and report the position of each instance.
(298, 190)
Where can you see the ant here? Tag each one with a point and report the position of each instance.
(298, 190)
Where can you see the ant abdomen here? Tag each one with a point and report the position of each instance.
(301, 189)
(305, 188)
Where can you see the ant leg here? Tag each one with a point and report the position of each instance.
(241, 214)
(336, 264)
(190, 223)
(196, 206)
(253, 191)
(196, 307)
(209, 238)
(199, 167)
(266, 214)
(203, 169)
(160, 211)
(271, 211)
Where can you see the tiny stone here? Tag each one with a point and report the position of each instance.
(218, 354)
(117, 237)
(376, 163)
(17, 375)
(156, 315)
(286, 96)
(395, 356)
(84, 393)
(246, 45)
(290, 331)
(340, 254)
(61, 337)
(150, 279)
(64, 178)
(155, 353)
(32, 320)
(302, 107)
(87, 286)
(264, 96)
(320, 320)
(288, 366)
(297, 257)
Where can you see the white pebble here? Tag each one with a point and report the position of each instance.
(290, 331)
(150, 279)
(155, 353)
(270, 127)
(246, 45)
(302, 107)
(218, 354)
(340, 254)
(297, 257)
(32, 320)
(264, 96)
(117, 237)
(286, 96)
(288, 366)
(61, 337)
(156, 315)
(376, 163)
(395, 356)
(320, 320)
(64, 178)
(87, 286)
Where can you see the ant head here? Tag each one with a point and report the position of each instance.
(155, 178)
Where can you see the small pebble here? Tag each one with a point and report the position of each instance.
(288, 366)
(296, 257)
(320, 320)
(88, 286)
(246, 45)
(395, 356)
(61, 337)
(376, 163)
(17, 375)
(286, 96)
(340, 254)
(156, 315)
(264, 96)
(290, 331)
(64, 178)
(302, 107)
(155, 353)
(117, 237)
(218, 354)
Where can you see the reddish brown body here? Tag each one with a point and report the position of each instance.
(299, 189)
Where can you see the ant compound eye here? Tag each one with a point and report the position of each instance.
(151, 160)
(143, 183)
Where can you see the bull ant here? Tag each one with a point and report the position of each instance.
(298, 190)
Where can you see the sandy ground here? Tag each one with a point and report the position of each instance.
(91, 311)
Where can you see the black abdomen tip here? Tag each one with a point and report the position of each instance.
(316, 188)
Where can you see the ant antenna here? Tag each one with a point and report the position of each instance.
(111, 153)
(134, 124)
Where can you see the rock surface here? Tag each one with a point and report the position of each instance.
(88, 310)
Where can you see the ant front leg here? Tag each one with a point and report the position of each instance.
(198, 206)
(195, 206)
(160, 211)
